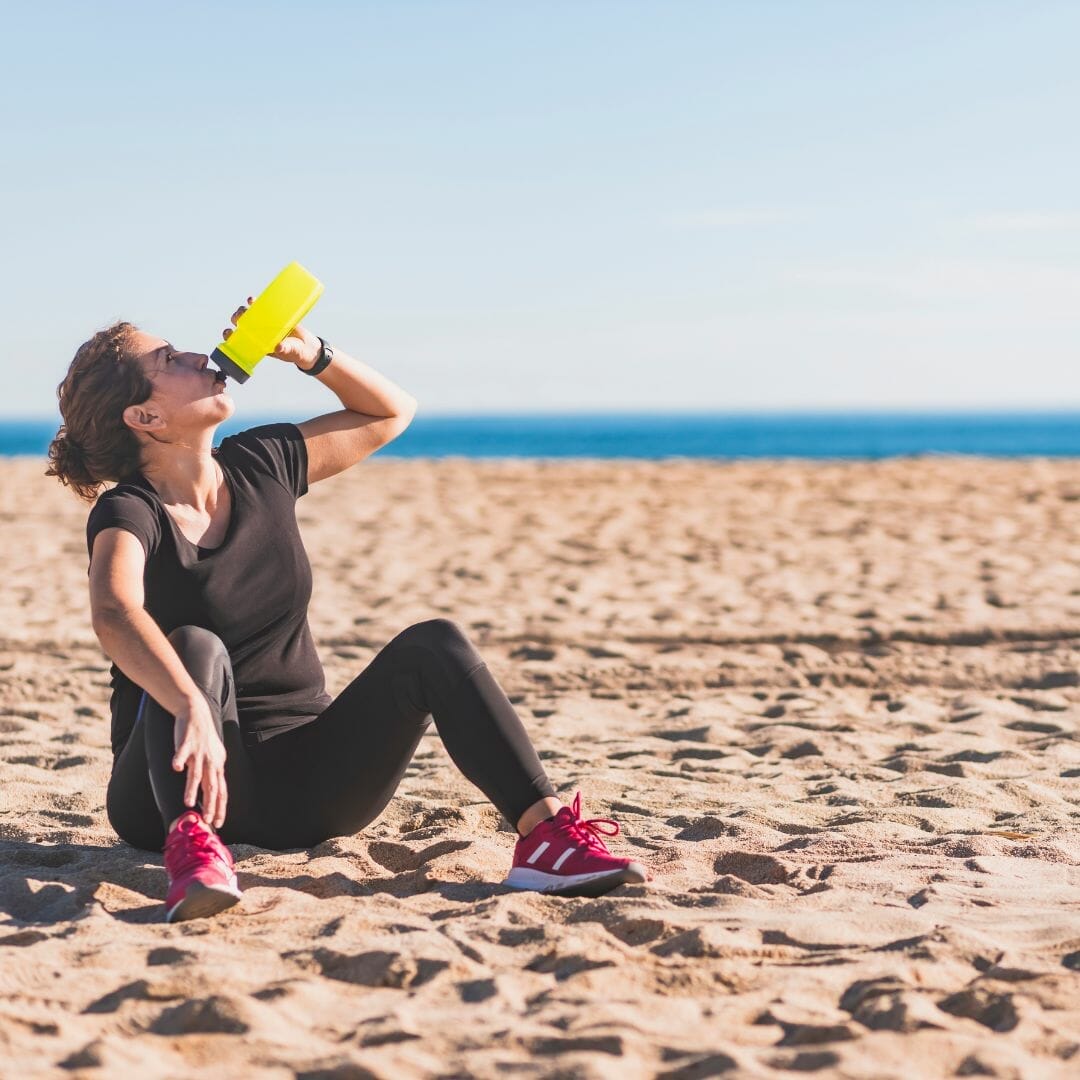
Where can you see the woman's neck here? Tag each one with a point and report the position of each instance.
(185, 476)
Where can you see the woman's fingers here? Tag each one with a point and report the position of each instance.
(210, 793)
(222, 801)
(191, 784)
(183, 752)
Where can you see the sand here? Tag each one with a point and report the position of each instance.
(833, 707)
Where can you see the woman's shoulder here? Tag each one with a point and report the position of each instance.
(131, 504)
(274, 450)
(132, 491)
(255, 439)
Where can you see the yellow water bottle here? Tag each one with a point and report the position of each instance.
(270, 319)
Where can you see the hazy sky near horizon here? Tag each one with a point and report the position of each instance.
(602, 204)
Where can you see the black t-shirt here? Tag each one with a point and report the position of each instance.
(252, 590)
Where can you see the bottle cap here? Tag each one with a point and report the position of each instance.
(227, 367)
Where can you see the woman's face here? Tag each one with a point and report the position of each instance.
(187, 394)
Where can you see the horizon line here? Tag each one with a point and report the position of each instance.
(675, 412)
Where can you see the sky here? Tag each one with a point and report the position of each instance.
(596, 205)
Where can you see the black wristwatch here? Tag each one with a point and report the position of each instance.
(326, 354)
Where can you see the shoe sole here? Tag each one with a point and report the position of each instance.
(578, 884)
(202, 901)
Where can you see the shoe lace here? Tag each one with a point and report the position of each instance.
(588, 831)
(189, 847)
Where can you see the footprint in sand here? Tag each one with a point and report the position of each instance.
(21, 939)
(755, 869)
(814, 1034)
(394, 970)
(698, 1067)
(441, 816)
(399, 859)
(602, 1044)
(533, 652)
(992, 1010)
(641, 931)
(384, 1031)
(890, 1004)
(563, 965)
(215, 1015)
(168, 955)
(696, 734)
(807, 1061)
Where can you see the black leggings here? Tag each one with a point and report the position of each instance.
(334, 775)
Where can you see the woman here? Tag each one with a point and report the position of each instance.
(222, 731)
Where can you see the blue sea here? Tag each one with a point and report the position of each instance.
(725, 436)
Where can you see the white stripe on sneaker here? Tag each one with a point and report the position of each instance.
(563, 857)
(538, 852)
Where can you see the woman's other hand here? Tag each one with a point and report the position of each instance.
(301, 347)
(201, 751)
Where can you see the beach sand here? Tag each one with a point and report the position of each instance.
(834, 708)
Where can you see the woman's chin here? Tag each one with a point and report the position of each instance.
(225, 404)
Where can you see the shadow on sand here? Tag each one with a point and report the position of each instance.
(43, 885)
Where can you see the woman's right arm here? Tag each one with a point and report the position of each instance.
(127, 633)
(135, 643)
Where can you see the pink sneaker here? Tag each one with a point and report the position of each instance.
(201, 877)
(566, 857)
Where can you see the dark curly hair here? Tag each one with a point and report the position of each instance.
(94, 444)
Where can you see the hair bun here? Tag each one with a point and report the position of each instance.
(68, 462)
(66, 448)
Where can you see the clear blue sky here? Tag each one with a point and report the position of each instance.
(529, 206)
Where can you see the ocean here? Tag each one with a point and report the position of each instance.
(724, 436)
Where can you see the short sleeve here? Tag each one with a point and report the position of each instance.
(124, 507)
(277, 449)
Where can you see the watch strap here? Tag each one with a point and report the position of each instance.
(326, 354)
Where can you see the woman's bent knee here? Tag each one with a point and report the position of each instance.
(145, 832)
(435, 634)
(444, 637)
(204, 655)
(195, 640)
(433, 658)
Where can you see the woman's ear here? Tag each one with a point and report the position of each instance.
(144, 417)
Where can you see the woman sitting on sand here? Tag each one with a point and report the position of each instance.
(222, 731)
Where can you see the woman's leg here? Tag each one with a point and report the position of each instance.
(345, 765)
(145, 793)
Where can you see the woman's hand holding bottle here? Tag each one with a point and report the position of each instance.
(300, 347)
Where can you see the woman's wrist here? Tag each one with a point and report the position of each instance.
(322, 359)
(311, 361)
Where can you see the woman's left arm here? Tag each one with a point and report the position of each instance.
(376, 410)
